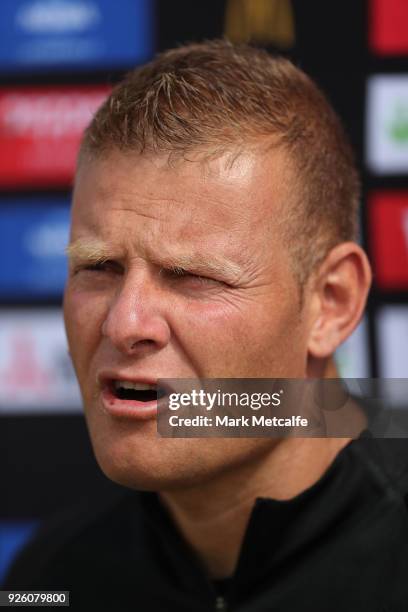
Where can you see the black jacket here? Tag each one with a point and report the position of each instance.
(340, 546)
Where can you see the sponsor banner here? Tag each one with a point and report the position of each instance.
(387, 124)
(38, 35)
(388, 218)
(13, 536)
(388, 27)
(392, 334)
(36, 373)
(392, 343)
(41, 129)
(33, 235)
(352, 357)
(270, 22)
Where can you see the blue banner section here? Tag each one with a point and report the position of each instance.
(74, 34)
(13, 536)
(33, 237)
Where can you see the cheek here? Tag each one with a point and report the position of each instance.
(250, 338)
(84, 314)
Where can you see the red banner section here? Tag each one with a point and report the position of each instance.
(40, 132)
(36, 374)
(389, 238)
(388, 27)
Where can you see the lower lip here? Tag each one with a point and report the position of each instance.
(130, 409)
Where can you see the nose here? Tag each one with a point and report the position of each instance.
(135, 322)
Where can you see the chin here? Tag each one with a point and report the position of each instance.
(137, 458)
(150, 464)
(135, 479)
(152, 478)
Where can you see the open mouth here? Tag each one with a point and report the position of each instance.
(139, 392)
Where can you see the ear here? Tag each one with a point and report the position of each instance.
(339, 292)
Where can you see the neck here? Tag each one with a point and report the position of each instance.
(213, 516)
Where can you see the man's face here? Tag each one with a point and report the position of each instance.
(197, 283)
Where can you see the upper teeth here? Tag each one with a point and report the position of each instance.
(126, 384)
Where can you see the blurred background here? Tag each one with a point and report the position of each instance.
(58, 61)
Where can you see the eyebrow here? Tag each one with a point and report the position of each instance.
(92, 250)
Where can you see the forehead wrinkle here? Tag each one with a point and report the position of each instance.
(137, 212)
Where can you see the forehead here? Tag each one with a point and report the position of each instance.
(229, 200)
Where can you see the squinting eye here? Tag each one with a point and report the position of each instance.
(184, 275)
(100, 266)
